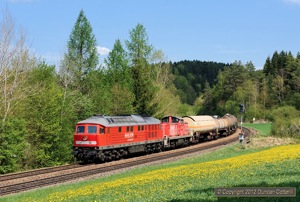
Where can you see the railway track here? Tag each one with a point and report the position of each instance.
(30, 173)
(16, 187)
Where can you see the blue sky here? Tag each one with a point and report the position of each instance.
(206, 30)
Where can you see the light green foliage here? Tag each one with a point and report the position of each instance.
(186, 110)
(286, 122)
(44, 119)
(15, 63)
(12, 145)
(165, 99)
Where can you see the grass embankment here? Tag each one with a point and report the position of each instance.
(192, 179)
(263, 138)
(263, 129)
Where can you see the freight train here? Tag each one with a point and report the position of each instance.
(103, 138)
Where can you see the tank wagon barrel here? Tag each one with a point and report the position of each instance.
(207, 127)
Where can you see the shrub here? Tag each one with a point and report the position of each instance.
(286, 122)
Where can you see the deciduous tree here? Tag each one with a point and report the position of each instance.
(15, 63)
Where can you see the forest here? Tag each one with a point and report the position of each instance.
(41, 103)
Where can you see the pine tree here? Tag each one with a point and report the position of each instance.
(143, 88)
(117, 63)
(82, 52)
(120, 80)
(268, 69)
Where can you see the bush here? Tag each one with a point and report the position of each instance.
(286, 122)
(12, 145)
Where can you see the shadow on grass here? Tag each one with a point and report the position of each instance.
(199, 195)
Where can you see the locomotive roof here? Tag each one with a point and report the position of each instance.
(125, 120)
(177, 117)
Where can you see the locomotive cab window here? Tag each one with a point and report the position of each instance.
(101, 130)
(174, 120)
(92, 129)
(165, 120)
(80, 129)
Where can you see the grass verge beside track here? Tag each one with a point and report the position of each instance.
(192, 179)
(264, 129)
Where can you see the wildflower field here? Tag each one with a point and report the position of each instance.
(188, 180)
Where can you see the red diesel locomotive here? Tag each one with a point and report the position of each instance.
(104, 138)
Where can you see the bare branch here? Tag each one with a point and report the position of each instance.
(15, 61)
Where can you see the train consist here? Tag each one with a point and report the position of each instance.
(105, 138)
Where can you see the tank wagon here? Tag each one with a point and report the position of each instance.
(207, 127)
(105, 138)
(227, 124)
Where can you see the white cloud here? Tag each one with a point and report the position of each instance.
(292, 1)
(103, 50)
(52, 58)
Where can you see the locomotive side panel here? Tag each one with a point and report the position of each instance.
(153, 132)
(174, 126)
(175, 132)
(124, 135)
